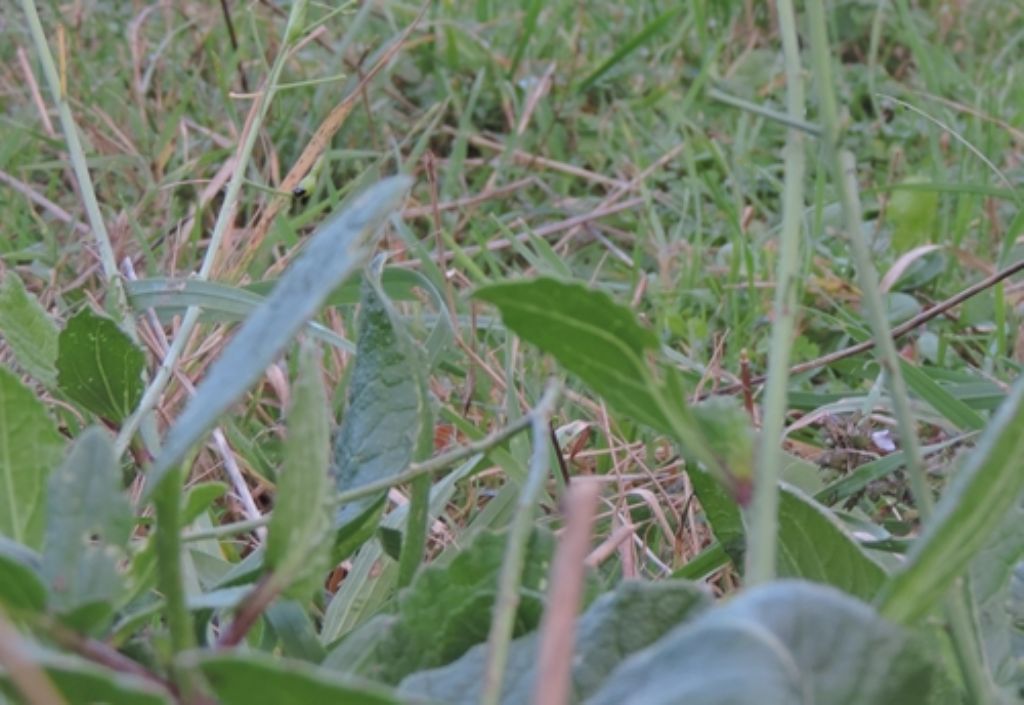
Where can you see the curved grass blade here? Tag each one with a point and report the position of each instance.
(333, 254)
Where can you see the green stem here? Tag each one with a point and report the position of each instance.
(167, 502)
(507, 600)
(761, 535)
(79, 165)
(843, 166)
(224, 219)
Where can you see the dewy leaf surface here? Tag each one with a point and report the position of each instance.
(99, 367)
(591, 335)
(813, 545)
(89, 520)
(30, 447)
(617, 624)
(336, 251)
(30, 333)
(970, 511)
(784, 642)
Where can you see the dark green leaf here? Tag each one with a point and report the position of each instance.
(590, 335)
(813, 545)
(198, 499)
(722, 513)
(99, 367)
(88, 525)
(784, 642)
(617, 624)
(30, 448)
(22, 587)
(333, 254)
(445, 611)
(971, 509)
(381, 427)
(259, 679)
(30, 333)
(299, 523)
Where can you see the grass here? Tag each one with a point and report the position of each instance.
(632, 147)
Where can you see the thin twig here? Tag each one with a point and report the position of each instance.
(509, 579)
(427, 467)
(897, 332)
(568, 568)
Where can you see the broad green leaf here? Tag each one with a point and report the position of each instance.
(381, 427)
(81, 681)
(912, 214)
(30, 333)
(336, 251)
(445, 611)
(815, 546)
(971, 509)
(299, 523)
(593, 337)
(89, 520)
(22, 587)
(260, 679)
(99, 367)
(617, 624)
(30, 448)
(997, 583)
(783, 642)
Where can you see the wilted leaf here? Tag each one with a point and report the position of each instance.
(99, 367)
(30, 333)
(30, 448)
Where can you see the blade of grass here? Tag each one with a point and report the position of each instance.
(762, 535)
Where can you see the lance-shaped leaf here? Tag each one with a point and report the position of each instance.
(386, 402)
(30, 448)
(970, 511)
(300, 521)
(30, 333)
(336, 251)
(99, 367)
(88, 524)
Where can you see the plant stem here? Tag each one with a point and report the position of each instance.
(414, 471)
(253, 125)
(844, 176)
(507, 600)
(79, 165)
(167, 502)
(761, 534)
